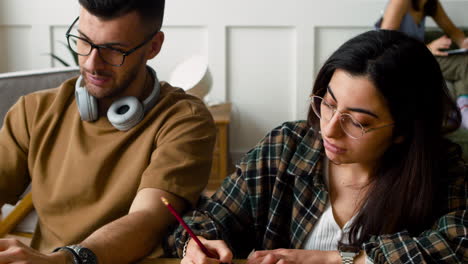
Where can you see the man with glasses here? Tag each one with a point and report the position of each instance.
(100, 150)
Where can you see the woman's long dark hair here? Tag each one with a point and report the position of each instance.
(429, 8)
(402, 190)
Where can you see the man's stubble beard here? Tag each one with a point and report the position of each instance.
(119, 88)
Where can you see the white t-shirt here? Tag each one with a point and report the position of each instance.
(326, 233)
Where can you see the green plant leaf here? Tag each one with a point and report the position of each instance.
(59, 59)
(74, 55)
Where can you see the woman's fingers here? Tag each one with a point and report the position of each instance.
(222, 250)
(195, 254)
(263, 257)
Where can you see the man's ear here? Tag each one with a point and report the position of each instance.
(156, 45)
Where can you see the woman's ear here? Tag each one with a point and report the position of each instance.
(156, 45)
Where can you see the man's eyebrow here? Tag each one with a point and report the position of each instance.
(359, 110)
(105, 44)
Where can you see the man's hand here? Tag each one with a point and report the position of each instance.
(435, 46)
(194, 255)
(13, 251)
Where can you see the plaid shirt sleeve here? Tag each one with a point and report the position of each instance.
(445, 242)
(229, 214)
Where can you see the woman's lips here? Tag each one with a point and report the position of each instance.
(332, 148)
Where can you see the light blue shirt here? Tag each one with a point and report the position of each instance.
(409, 26)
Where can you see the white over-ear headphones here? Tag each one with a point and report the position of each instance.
(124, 113)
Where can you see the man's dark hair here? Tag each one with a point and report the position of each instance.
(150, 11)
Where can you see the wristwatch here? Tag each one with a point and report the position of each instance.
(86, 255)
(81, 255)
(348, 253)
(76, 258)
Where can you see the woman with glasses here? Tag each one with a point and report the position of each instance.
(369, 177)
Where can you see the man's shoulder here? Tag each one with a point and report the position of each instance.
(177, 101)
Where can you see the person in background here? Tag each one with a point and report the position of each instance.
(100, 150)
(409, 17)
(369, 177)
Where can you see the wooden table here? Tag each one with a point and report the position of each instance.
(220, 169)
(177, 261)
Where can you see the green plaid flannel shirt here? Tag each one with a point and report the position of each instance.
(277, 195)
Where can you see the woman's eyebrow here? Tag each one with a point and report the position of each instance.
(359, 110)
(364, 111)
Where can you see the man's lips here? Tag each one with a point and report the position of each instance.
(97, 79)
(333, 148)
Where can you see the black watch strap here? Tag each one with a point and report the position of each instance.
(85, 255)
(76, 258)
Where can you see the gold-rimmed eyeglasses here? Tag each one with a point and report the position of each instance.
(348, 123)
(109, 54)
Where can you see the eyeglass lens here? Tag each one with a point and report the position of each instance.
(324, 110)
(84, 48)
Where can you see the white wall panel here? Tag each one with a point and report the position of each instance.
(263, 54)
(15, 42)
(328, 39)
(181, 42)
(261, 81)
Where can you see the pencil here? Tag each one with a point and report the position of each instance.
(192, 235)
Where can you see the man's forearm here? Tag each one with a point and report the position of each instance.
(126, 239)
(133, 236)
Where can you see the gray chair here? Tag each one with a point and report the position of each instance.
(15, 84)
(12, 86)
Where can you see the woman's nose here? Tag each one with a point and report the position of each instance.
(332, 128)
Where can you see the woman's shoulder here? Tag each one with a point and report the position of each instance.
(291, 133)
(452, 183)
(452, 157)
(285, 141)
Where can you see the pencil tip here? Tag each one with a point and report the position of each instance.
(164, 200)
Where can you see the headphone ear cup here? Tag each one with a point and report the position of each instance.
(125, 113)
(87, 104)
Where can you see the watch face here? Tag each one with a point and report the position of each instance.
(348, 248)
(87, 256)
(348, 254)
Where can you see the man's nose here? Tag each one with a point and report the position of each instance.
(93, 62)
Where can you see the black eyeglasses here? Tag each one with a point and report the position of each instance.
(109, 54)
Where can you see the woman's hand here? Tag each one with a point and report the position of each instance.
(194, 254)
(435, 46)
(293, 256)
(299, 256)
